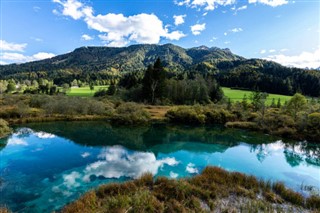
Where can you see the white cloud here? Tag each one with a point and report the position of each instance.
(213, 4)
(272, 3)
(173, 175)
(72, 8)
(272, 51)
(196, 29)
(236, 30)
(244, 7)
(86, 37)
(227, 42)
(70, 180)
(206, 4)
(85, 154)
(179, 19)
(284, 50)
(8, 46)
(20, 58)
(42, 55)
(16, 141)
(117, 29)
(116, 162)
(191, 169)
(225, 33)
(263, 51)
(303, 60)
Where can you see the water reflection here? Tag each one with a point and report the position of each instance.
(47, 165)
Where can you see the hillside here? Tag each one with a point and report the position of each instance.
(132, 58)
(91, 63)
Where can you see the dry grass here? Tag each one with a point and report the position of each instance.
(157, 112)
(214, 190)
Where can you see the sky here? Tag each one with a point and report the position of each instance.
(285, 31)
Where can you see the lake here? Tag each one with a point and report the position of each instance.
(45, 166)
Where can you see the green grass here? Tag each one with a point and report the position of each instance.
(237, 95)
(84, 91)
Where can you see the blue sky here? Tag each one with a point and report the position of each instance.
(285, 31)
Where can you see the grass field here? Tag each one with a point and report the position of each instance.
(233, 94)
(237, 95)
(84, 91)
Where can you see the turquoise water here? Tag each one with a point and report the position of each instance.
(45, 166)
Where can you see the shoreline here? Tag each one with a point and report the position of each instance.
(156, 120)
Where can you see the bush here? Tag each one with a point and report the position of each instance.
(218, 116)
(186, 115)
(242, 125)
(130, 113)
(4, 128)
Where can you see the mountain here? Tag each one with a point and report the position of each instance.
(93, 63)
(124, 59)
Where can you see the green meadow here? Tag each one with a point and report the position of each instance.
(84, 91)
(237, 95)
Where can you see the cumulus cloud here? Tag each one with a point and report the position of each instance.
(86, 37)
(179, 19)
(8, 46)
(197, 28)
(72, 8)
(272, 3)
(117, 29)
(272, 51)
(21, 58)
(303, 60)
(116, 162)
(113, 162)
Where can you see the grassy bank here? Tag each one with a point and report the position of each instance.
(214, 190)
(237, 95)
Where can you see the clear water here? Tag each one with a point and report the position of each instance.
(45, 166)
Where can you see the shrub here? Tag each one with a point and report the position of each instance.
(4, 128)
(242, 125)
(130, 113)
(186, 115)
(218, 116)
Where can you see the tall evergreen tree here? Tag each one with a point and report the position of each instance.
(154, 82)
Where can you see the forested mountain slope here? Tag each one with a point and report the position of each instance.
(91, 63)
